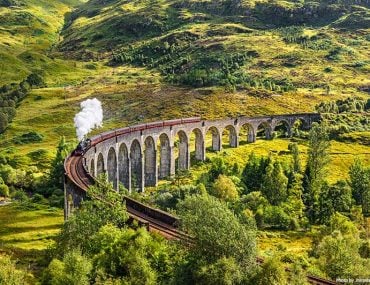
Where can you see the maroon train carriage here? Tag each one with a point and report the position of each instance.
(169, 123)
(154, 125)
(190, 120)
(122, 131)
(138, 128)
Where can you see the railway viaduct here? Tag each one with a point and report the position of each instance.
(140, 158)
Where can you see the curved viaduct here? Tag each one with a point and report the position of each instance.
(139, 156)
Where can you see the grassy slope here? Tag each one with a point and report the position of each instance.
(26, 234)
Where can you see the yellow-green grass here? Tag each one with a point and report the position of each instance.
(342, 154)
(22, 229)
(292, 242)
(26, 234)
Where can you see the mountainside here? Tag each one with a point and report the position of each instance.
(274, 46)
(149, 60)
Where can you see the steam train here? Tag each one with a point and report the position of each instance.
(85, 144)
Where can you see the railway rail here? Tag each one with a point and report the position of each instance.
(155, 220)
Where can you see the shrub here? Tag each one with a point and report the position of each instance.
(9, 275)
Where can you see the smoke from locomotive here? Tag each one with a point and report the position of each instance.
(90, 117)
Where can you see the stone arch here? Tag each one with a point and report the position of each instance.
(216, 138)
(123, 166)
(136, 159)
(282, 128)
(232, 135)
(100, 169)
(92, 167)
(247, 134)
(112, 167)
(199, 145)
(299, 125)
(183, 162)
(165, 156)
(150, 162)
(264, 130)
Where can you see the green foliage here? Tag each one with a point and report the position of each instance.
(35, 80)
(9, 275)
(4, 189)
(360, 184)
(253, 172)
(73, 270)
(27, 138)
(225, 271)
(297, 167)
(318, 159)
(339, 256)
(274, 183)
(133, 255)
(57, 166)
(334, 198)
(224, 188)
(104, 207)
(271, 272)
(217, 232)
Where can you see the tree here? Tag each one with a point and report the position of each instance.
(4, 189)
(35, 80)
(134, 255)
(9, 275)
(334, 198)
(297, 167)
(57, 166)
(274, 183)
(339, 256)
(103, 206)
(272, 272)
(225, 271)
(224, 188)
(360, 184)
(3, 121)
(73, 270)
(217, 232)
(294, 204)
(318, 159)
(253, 172)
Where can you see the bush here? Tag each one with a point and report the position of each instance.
(35, 80)
(30, 137)
(9, 275)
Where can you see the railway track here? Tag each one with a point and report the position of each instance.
(146, 215)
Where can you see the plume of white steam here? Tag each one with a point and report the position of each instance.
(90, 117)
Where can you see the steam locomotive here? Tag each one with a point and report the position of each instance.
(84, 145)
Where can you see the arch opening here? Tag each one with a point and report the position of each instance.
(92, 167)
(246, 134)
(136, 159)
(264, 131)
(213, 139)
(229, 137)
(123, 166)
(183, 157)
(112, 167)
(150, 162)
(197, 145)
(300, 128)
(164, 156)
(282, 129)
(100, 165)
